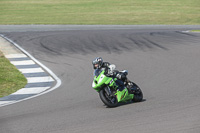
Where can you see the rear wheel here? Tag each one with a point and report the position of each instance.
(138, 95)
(110, 101)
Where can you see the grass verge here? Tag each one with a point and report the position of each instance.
(195, 30)
(11, 79)
(122, 12)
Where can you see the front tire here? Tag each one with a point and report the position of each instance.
(109, 101)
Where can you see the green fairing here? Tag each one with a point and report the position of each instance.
(102, 80)
(123, 95)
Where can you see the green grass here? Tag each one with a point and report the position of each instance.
(11, 79)
(122, 12)
(195, 30)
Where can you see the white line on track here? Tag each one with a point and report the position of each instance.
(31, 70)
(15, 56)
(40, 79)
(3, 103)
(34, 90)
(27, 62)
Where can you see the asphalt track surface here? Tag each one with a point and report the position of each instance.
(163, 62)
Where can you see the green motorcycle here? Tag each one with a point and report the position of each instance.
(109, 91)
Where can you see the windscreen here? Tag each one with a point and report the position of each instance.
(97, 72)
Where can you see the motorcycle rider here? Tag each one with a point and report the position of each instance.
(111, 72)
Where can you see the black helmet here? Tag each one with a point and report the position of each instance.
(98, 61)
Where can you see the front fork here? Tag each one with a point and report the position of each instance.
(108, 91)
(111, 96)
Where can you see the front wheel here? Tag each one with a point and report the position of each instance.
(110, 101)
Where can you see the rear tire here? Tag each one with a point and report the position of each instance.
(107, 100)
(138, 95)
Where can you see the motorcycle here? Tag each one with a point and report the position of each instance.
(109, 91)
